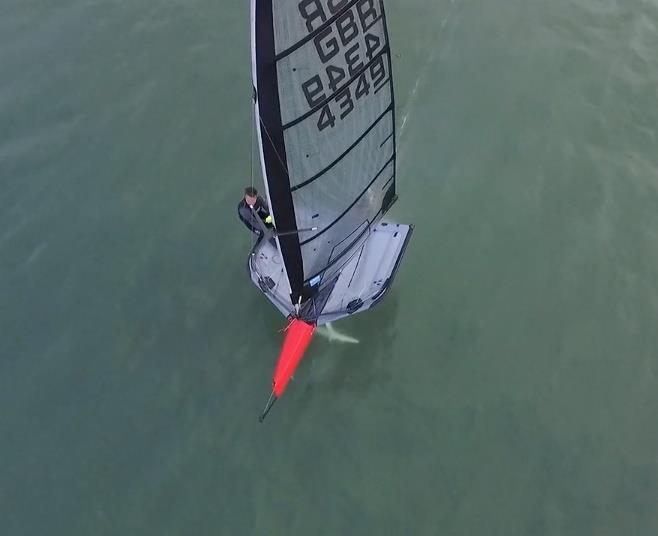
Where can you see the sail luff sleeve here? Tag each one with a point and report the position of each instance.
(272, 143)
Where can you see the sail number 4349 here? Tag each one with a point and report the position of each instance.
(350, 72)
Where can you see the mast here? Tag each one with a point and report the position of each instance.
(271, 142)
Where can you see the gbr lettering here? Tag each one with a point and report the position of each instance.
(343, 56)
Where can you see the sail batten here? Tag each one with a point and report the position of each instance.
(381, 171)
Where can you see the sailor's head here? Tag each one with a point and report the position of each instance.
(250, 195)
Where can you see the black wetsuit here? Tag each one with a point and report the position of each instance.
(247, 215)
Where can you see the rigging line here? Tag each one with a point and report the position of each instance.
(276, 152)
(252, 238)
(251, 146)
(253, 94)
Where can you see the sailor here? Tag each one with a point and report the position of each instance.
(251, 207)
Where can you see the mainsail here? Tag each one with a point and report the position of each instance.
(326, 127)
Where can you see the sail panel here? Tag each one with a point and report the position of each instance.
(358, 181)
(320, 147)
(348, 178)
(318, 71)
(343, 232)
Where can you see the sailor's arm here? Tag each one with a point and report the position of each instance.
(249, 218)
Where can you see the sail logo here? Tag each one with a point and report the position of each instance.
(350, 42)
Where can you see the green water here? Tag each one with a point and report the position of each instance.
(507, 386)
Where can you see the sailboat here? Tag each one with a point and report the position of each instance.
(325, 127)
